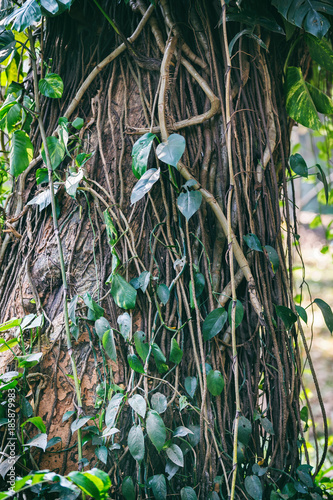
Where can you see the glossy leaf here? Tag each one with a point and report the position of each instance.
(189, 203)
(273, 257)
(215, 382)
(135, 363)
(327, 313)
(320, 51)
(85, 484)
(253, 242)
(145, 184)
(244, 430)
(176, 354)
(38, 422)
(191, 385)
(239, 314)
(175, 454)
(156, 429)
(214, 323)
(109, 345)
(172, 150)
(163, 293)
(188, 493)
(140, 154)
(299, 104)
(56, 151)
(128, 489)
(136, 443)
(298, 165)
(138, 404)
(24, 16)
(11, 323)
(159, 487)
(21, 152)
(302, 313)
(287, 315)
(51, 86)
(123, 294)
(159, 402)
(159, 358)
(253, 487)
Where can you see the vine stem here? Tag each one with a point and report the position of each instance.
(56, 231)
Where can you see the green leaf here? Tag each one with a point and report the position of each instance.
(29, 360)
(304, 414)
(7, 345)
(159, 402)
(299, 104)
(56, 151)
(214, 323)
(135, 363)
(23, 17)
(101, 453)
(141, 347)
(172, 150)
(136, 443)
(306, 14)
(320, 51)
(327, 313)
(215, 382)
(127, 488)
(138, 404)
(191, 385)
(38, 422)
(194, 438)
(188, 493)
(287, 315)
(21, 152)
(109, 345)
(175, 454)
(85, 484)
(7, 44)
(267, 425)
(298, 165)
(112, 409)
(305, 478)
(199, 286)
(125, 325)
(273, 257)
(253, 242)
(189, 203)
(51, 86)
(145, 184)
(322, 102)
(123, 294)
(140, 154)
(78, 123)
(72, 183)
(159, 358)
(11, 323)
(163, 293)
(94, 310)
(52, 442)
(239, 313)
(253, 487)
(78, 423)
(322, 177)
(156, 429)
(244, 430)
(159, 487)
(176, 354)
(302, 313)
(42, 175)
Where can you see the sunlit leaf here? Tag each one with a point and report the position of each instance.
(72, 183)
(24, 16)
(21, 152)
(299, 103)
(51, 86)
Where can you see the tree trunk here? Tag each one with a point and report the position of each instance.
(234, 122)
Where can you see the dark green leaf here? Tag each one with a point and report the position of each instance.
(23, 17)
(253, 242)
(239, 313)
(145, 184)
(156, 429)
(94, 310)
(189, 203)
(327, 313)
(302, 313)
(68, 415)
(214, 323)
(42, 176)
(188, 493)
(175, 454)
(287, 315)
(172, 150)
(101, 453)
(56, 151)
(320, 51)
(304, 414)
(194, 438)
(191, 385)
(136, 443)
(322, 177)
(109, 345)
(159, 358)
(176, 354)
(53, 442)
(140, 154)
(322, 102)
(127, 488)
(21, 152)
(51, 86)
(299, 104)
(272, 257)
(159, 402)
(138, 404)
(141, 347)
(215, 382)
(305, 478)
(298, 165)
(158, 485)
(267, 425)
(199, 286)
(135, 363)
(244, 430)
(253, 487)
(7, 44)
(163, 293)
(123, 294)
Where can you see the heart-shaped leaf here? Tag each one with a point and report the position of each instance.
(188, 493)
(189, 203)
(172, 150)
(215, 382)
(287, 315)
(24, 16)
(298, 165)
(253, 487)
(253, 242)
(214, 323)
(163, 293)
(51, 86)
(123, 294)
(135, 363)
(72, 183)
(145, 184)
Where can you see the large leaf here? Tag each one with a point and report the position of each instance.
(138, 404)
(51, 86)
(156, 429)
(172, 150)
(21, 152)
(299, 103)
(136, 443)
(253, 487)
(123, 294)
(215, 382)
(327, 313)
(214, 323)
(189, 203)
(23, 17)
(159, 487)
(175, 454)
(56, 151)
(320, 51)
(188, 493)
(85, 483)
(306, 14)
(145, 184)
(7, 44)
(322, 102)
(140, 154)
(128, 489)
